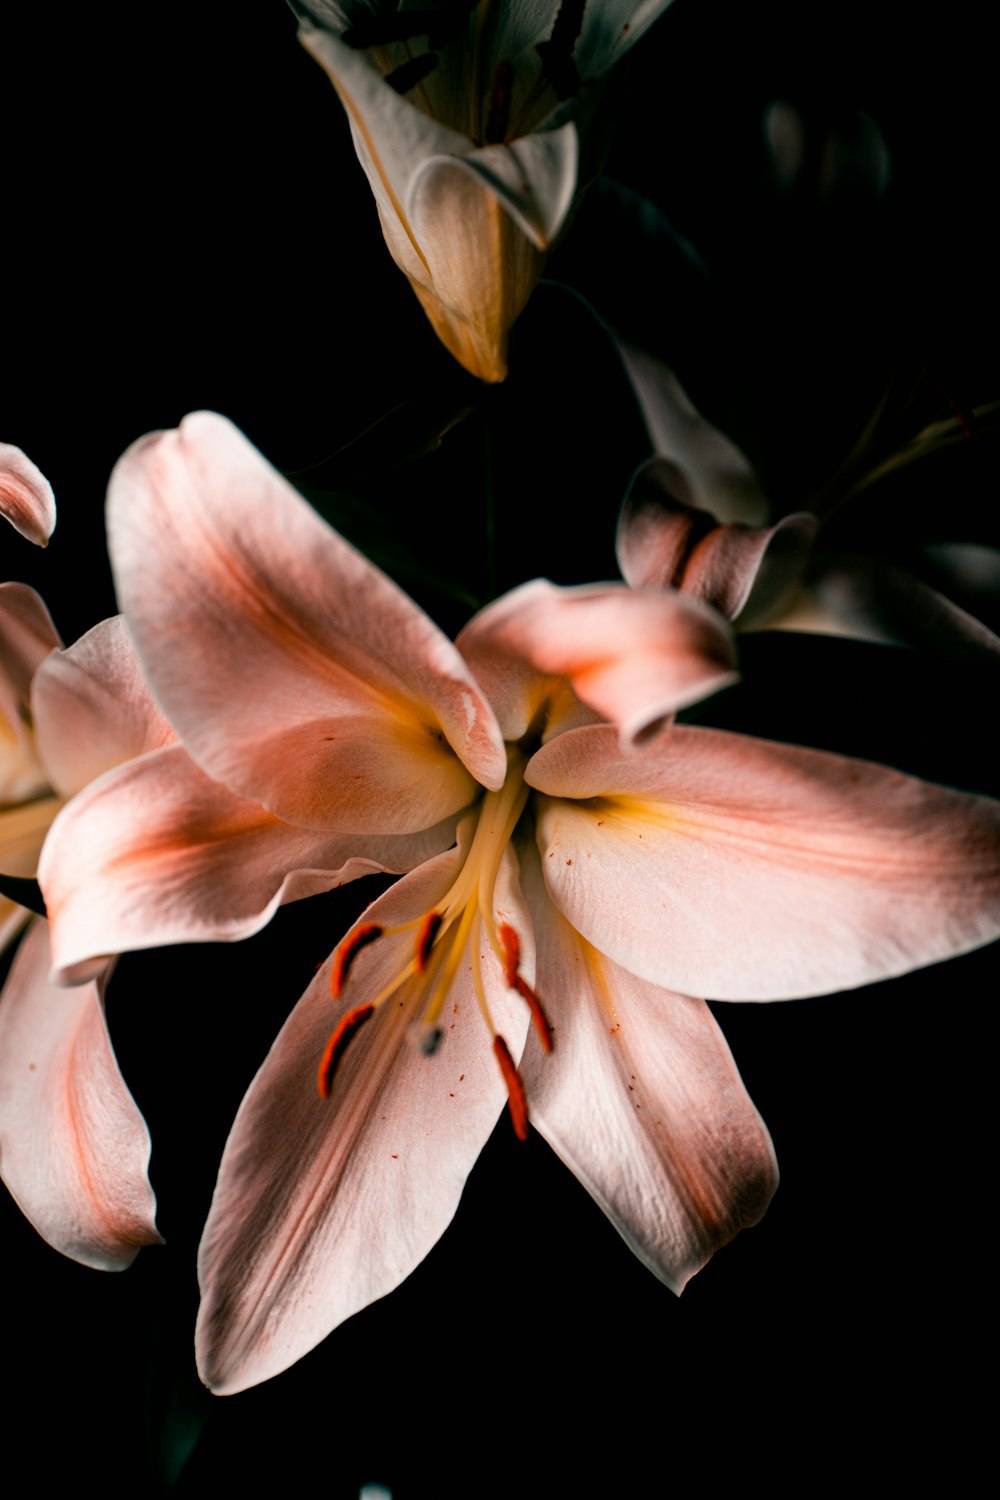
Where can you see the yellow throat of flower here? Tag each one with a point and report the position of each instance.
(447, 936)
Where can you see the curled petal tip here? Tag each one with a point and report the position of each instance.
(26, 497)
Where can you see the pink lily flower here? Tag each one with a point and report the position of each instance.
(579, 869)
(26, 498)
(74, 1149)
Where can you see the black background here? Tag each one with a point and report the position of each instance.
(186, 226)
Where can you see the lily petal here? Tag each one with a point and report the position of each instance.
(746, 870)
(73, 1146)
(322, 1206)
(748, 573)
(26, 497)
(93, 709)
(292, 669)
(156, 853)
(633, 657)
(871, 600)
(718, 477)
(642, 1101)
(27, 635)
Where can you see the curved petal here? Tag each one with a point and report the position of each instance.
(534, 179)
(747, 573)
(870, 600)
(74, 1148)
(92, 708)
(642, 1100)
(27, 635)
(717, 476)
(632, 657)
(480, 266)
(322, 1206)
(156, 853)
(26, 497)
(294, 671)
(610, 29)
(717, 864)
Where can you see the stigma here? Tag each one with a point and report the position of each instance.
(458, 935)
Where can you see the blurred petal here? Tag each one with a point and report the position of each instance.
(746, 573)
(870, 600)
(322, 1206)
(92, 708)
(292, 668)
(632, 657)
(27, 635)
(744, 870)
(73, 1147)
(641, 1099)
(156, 853)
(715, 475)
(26, 497)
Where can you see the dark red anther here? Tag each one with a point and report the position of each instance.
(348, 952)
(498, 118)
(516, 1102)
(429, 930)
(335, 1048)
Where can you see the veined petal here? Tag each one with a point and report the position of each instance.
(718, 477)
(73, 1145)
(534, 179)
(26, 497)
(747, 573)
(293, 670)
(633, 657)
(156, 853)
(322, 1206)
(92, 708)
(745, 870)
(610, 29)
(642, 1101)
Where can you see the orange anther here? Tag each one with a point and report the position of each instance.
(429, 930)
(516, 1101)
(338, 1043)
(348, 952)
(511, 961)
(511, 953)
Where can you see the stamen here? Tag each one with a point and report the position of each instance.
(338, 1044)
(516, 1102)
(425, 939)
(511, 960)
(348, 952)
(498, 118)
(410, 73)
(557, 53)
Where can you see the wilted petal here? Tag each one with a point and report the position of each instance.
(26, 497)
(736, 868)
(633, 657)
(73, 1147)
(747, 573)
(322, 1206)
(92, 708)
(156, 853)
(642, 1100)
(292, 668)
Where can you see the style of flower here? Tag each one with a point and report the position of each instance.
(74, 1149)
(579, 868)
(476, 125)
(26, 498)
(694, 520)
